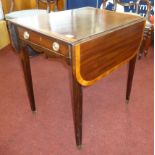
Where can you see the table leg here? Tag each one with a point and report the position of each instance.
(132, 63)
(28, 78)
(77, 111)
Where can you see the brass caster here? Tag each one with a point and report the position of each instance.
(79, 147)
(145, 53)
(34, 112)
(139, 56)
(127, 101)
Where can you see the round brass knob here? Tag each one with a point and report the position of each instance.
(56, 46)
(26, 35)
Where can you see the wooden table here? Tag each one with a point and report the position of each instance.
(93, 42)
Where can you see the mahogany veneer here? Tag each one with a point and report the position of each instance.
(93, 42)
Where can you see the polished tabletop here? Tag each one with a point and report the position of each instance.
(93, 42)
(78, 24)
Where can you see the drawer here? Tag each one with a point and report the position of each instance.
(38, 39)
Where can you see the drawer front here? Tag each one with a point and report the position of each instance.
(51, 44)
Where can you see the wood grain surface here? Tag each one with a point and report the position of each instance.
(97, 42)
(78, 25)
(97, 58)
(100, 40)
(43, 41)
